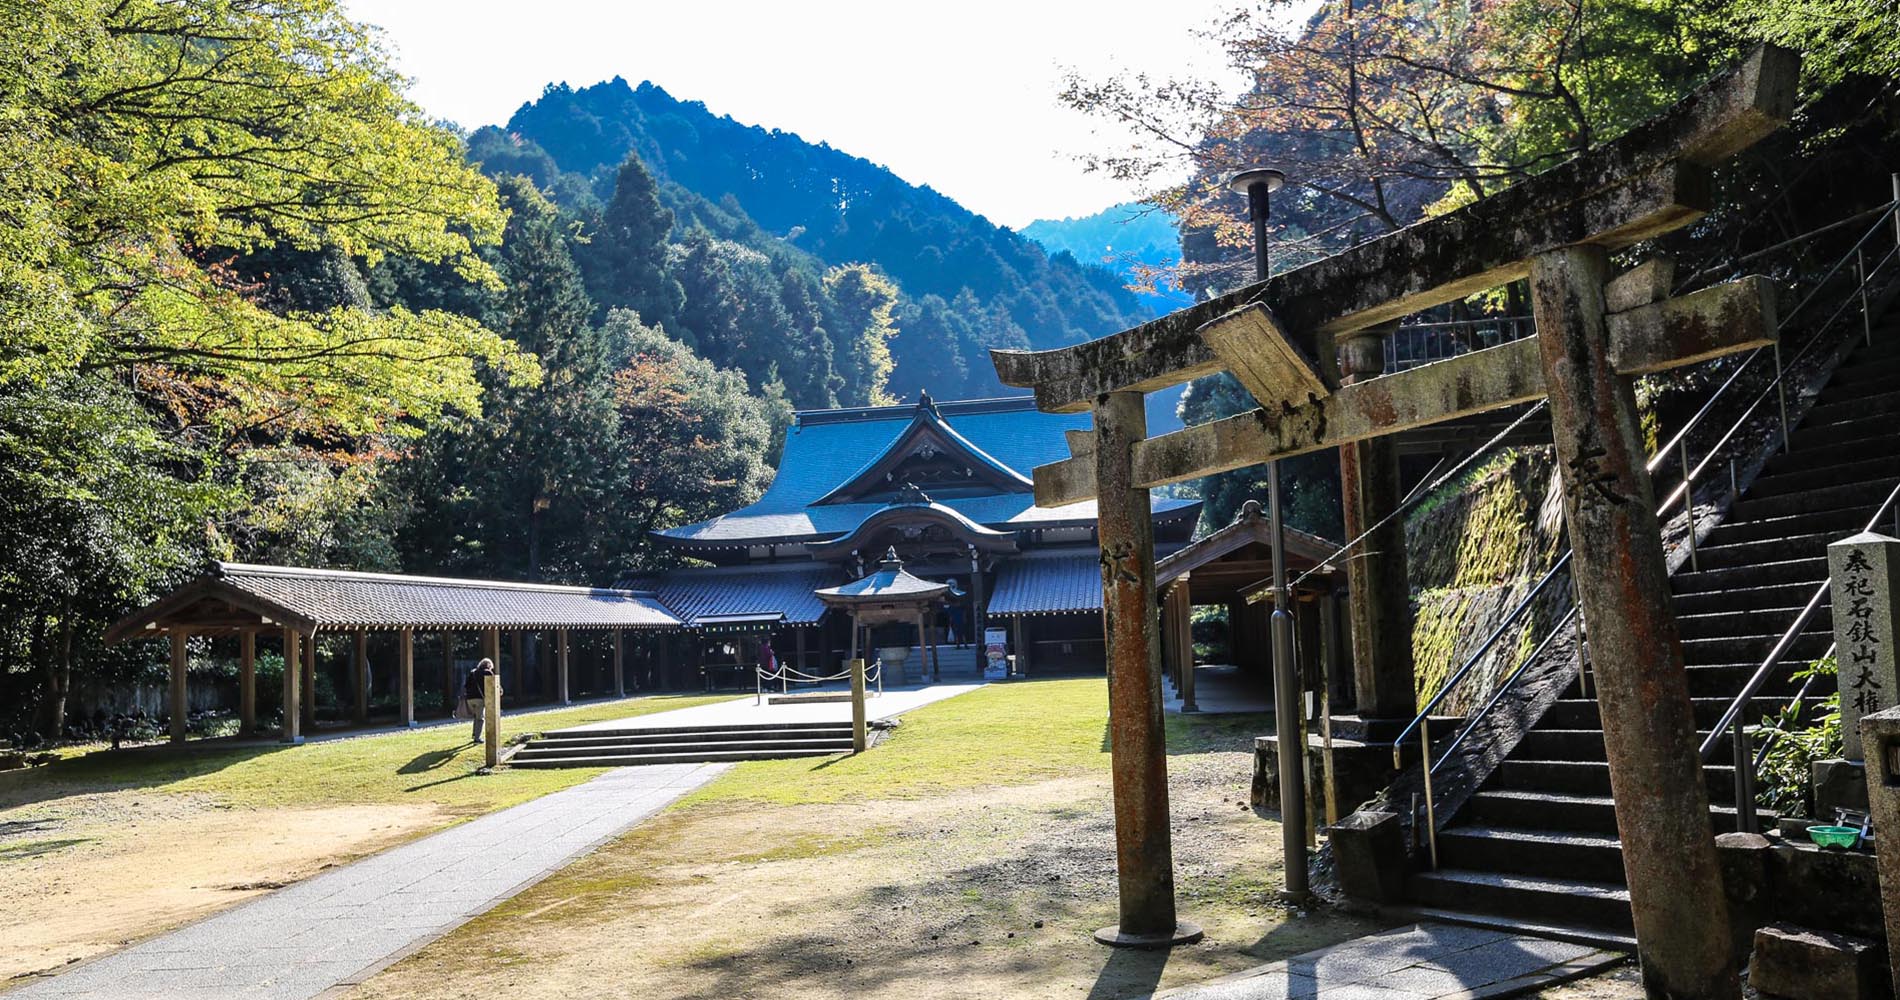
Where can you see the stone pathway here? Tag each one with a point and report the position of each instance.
(343, 926)
(1421, 962)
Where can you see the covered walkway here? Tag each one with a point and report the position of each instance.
(298, 607)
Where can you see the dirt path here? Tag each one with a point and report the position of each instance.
(982, 893)
(77, 885)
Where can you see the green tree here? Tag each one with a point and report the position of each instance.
(695, 439)
(861, 325)
(625, 260)
(929, 350)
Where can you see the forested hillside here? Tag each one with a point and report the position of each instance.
(964, 285)
(1140, 243)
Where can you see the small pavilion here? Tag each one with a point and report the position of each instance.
(887, 595)
(1222, 569)
(297, 605)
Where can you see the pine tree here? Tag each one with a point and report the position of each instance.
(625, 260)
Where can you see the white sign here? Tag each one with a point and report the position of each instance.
(996, 654)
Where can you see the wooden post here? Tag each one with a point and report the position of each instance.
(1649, 733)
(517, 662)
(293, 715)
(491, 647)
(560, 652)
(247, 682)
(449, 685)
(798, 644)
(858, 735)
(1144, 847)
(360, 661)
(1183, 619)
(620, 671)
(406, 682)
(1022, 648)
(180, 696)
(854, 636)
(491, 718)
(1380, 603)
(309, 681)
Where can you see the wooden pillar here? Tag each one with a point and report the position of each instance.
(1144, 847)
(359, 660)
(406, 679)
(310, 682)
(854, 636)
(293, 714)
(1022, 648)
(560, 652)
(1330, 644)
(979, 604)
(247, 682)
(491, 646)
(1380, 608)
(1181, 608)
(620, 669)
(517, 663)
(1649, 733)
(180, 700)
(798, 647)
(859, 736)
(449, 680)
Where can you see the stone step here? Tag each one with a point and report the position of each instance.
(1745, 599)
(1861, 496)
(1553, 930)
(687, 757)
(567, 738)
(1726, 623)
(1729, 554)
(1858, 407)
(1570, 714)
(1593, 857)
(1563, 811)
(612, 747)
(1810, 571)
(1823, 456)
(1725, 680)
(760, 727)
(1863, 429)
(1599, 904)
(1592, 777)
(1810, 644)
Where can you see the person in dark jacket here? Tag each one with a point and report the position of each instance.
(474, 689)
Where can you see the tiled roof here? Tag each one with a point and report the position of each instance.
(827, 447)
(342, 600)
(693, 595)
(889, 582)
(1044, 583)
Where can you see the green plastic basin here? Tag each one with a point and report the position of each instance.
(1834, 836)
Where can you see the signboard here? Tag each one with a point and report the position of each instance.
(1863, 572)
(996, 654)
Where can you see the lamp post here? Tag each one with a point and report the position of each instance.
(1258, 184)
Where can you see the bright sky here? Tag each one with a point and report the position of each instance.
(960, 96)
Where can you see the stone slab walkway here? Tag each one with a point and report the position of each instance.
(344, 925)
(1423, 962)
(742, 712)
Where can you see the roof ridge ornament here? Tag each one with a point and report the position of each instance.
(926, 404)
(911, 493)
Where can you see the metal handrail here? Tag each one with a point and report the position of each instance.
(1677, 443)
(1788, 638)
(1497, 633)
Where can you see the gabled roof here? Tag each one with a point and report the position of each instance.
(913, 513)
(827, 448)
(234, 596)
(1249, 527)
(927, 429)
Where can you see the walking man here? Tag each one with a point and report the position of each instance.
(472, 691)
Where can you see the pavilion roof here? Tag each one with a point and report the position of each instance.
(236, 596)
(889, 583)
(1249, 527)
(721, 595)
(1040, 583)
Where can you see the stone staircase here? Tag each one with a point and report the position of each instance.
(683, 745)
(1536, 845)
(957, 663)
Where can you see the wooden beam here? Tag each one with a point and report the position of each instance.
(1649, 181)
(1723, 319)
(247, 682)
(406, 666)
(1250, 343)
(180, 700)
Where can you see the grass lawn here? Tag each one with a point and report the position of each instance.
(116, 845)
(969, 855)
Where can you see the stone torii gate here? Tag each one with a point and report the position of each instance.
(1595, 331)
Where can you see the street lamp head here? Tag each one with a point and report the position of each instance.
(1244, 181)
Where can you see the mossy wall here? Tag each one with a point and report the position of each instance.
(1474, 549)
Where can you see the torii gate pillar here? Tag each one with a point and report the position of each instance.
(1144, 846)
(1662, 805)
(1380, 608)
